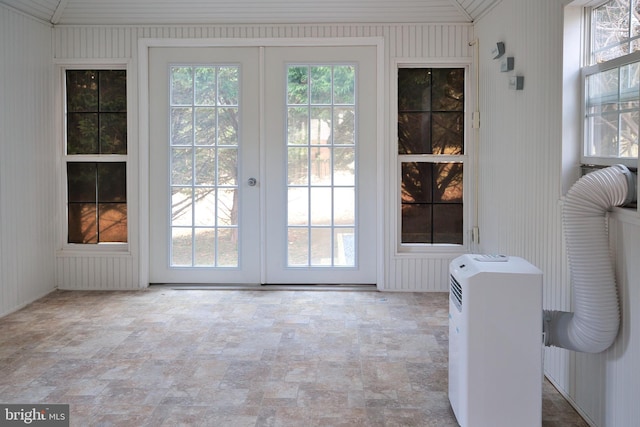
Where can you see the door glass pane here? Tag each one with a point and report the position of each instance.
(321, 144)
(204, 144)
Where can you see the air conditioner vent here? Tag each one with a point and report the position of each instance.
(456, 293)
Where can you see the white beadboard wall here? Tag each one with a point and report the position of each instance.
(521, 183)
(27, 161)
(406, 41)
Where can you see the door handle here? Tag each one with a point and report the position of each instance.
(252, 182)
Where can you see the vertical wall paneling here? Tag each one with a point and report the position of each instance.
(77, 43)
(526, 165)
(27, 166)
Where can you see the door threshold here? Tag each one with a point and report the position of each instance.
(266, 287)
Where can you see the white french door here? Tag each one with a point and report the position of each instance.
(262, 165)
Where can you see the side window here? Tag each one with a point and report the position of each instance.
(95, 156)
(611, 80)
(431, 157)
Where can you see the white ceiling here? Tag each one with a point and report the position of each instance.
(105, 12)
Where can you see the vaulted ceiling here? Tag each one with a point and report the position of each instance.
(104, 12)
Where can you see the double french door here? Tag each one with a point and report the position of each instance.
(262, 165)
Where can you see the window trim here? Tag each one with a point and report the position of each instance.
(431, 249)
(74, 249)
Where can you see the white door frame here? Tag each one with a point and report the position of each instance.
(143, 97)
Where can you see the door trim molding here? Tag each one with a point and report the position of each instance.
(144, 44)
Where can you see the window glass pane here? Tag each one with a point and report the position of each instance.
(629, 134)
(344, 208)
(205, 173)
(181, 207)
(298, 165)
(447, 133)
(603, 134)
(298, 206)
(81, 182)
(181, 166)
(320, 125)
(344, 247)
(205, 124)
(227, 166)
(112, 182)
(181, 85)
(113, 90)
(205, 206)
(321, 246)
(447, 86)
(344, 79)
(205, 87)
(344, 127)
(414, 133)
(82, 224)
(320, 85)
(416, 223)
(82, 90)
(228, 85)
(321, 206)
(610, 30)
(227, 207)
(447, 223)
(447, 186)
(298, 246)
(113, 133)
(298, 125)
(227, 247)
(82, 133)
(602, 88)
(417, 182)
(228, 126)
(344, 172)
(298, 85)
(320, 166)
(414, 89)
(205, 247)
(112, 222)
(181, 126)
(181, 247)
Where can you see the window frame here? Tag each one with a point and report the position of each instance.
(117, 248)
(432, 249)
(586, 70)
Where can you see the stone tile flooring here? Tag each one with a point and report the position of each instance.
(167, 357)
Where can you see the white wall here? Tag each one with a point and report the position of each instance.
(27, 161)
(406, 42)
(525, 167)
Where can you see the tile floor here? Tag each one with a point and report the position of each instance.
(166, 357)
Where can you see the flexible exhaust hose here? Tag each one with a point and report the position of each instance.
(593, 326)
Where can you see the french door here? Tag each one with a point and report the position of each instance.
(262, 165)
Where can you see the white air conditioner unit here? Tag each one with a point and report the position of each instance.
(495, 341)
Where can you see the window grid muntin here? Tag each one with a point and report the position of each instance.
(616, 99)
(98, 157)
(293, 101)
(457, 156)
(192, 229)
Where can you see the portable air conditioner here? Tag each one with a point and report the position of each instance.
(495, 341)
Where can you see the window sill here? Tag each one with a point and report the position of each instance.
(75, 251)
(430, 251)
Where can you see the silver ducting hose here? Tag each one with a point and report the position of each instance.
(593, 326)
